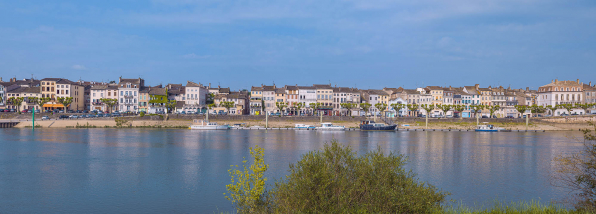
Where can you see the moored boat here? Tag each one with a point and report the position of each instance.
(330, 127)
(304, 126)
(488, 128)
(206, 125)
(368, 125)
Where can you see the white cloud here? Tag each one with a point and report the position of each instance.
(79, 67)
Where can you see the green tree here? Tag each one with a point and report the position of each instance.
(476, 109)
(365, 107)
(16, 101)
(585, 107)
(247, 190)
(298, 106)
(521, 109)
(337, 180)
(65, 101)
(42, 101)
(552, 109)
(460, 109)
(397, 107)
(427, 108)
(110, 103)
(445, 108)
(281, 106)
(567, 107)
(492, 109)
(348, 107)
(171, 105)
(227, 104)
(413, 107)
(381, 107)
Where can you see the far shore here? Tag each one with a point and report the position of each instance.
(548, 124)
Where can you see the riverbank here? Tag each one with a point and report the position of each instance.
(550, 124)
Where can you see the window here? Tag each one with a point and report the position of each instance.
(121, 93)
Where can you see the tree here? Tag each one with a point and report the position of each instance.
(577, 173)
(365, 107)
(227, 104)
(247, 190)
(171, 105)
(427, 108)
(537, 109)
(298, 106)
(585, 107)
(381, 107)
(477, 108)
(349, 107)
(567, 107)
(521, 109)
(16, 101)
(42, 101)
(552, 109)
(210, 98)
(110, 103)
(313, 106)
(397, 107)
(65, 101)
(445, 108)
(210, 106)
(413, 107)
(492, 109)
(281, 106)
(460, 109)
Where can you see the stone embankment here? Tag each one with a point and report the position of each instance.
(180, 121)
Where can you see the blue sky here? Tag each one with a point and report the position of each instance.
(367, 44)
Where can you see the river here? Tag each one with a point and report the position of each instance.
(185, 171)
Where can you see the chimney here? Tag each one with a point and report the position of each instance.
(476, 86)
(552, 81)
(120, 79)
(0, 79)
(577, 81)
(209, 85)
(527, 88)
(588, 83)
(556, 81)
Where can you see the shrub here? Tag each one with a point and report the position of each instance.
(142, 114)
(335, 180)
(577, 173)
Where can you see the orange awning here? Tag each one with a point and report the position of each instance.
(53, 106)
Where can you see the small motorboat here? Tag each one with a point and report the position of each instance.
(368, 125)
(330, 127)
(303, 126)
(206, 125)
(488, 128)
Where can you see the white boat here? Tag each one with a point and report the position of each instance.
(206, 125)
(303, 126)
(330, 127)
(488, 128)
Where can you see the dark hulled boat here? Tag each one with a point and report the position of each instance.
(372, 126)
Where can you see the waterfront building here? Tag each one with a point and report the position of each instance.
(561, 92)
(196, 97)
(26, 93)
(391, 112)
(474, 93)
(158, 98)
(128, 95)
(448, 96)
(256, 100)
(269, 98)
(307, 95)
(589, 93)
(240, 99)
(280, 96)
(345, 95)
(292, 98)
(98, 92)
(437, 94)
(325, 97)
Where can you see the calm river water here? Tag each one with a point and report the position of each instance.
(184, 171)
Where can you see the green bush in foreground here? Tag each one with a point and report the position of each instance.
(336, 180)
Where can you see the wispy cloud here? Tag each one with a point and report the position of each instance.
(79, 67)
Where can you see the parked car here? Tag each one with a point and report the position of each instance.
(86, 112)
(37, 111)
(100, 115)
(115, 114)
(24, 111)
(63, 117)
(111, 115)
(484, 116)
(509, 117)
(45, 118)
(60, 111)
(74, 116)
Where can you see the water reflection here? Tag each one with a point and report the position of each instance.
(157, 171)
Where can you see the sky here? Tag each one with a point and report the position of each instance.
(364, 44)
